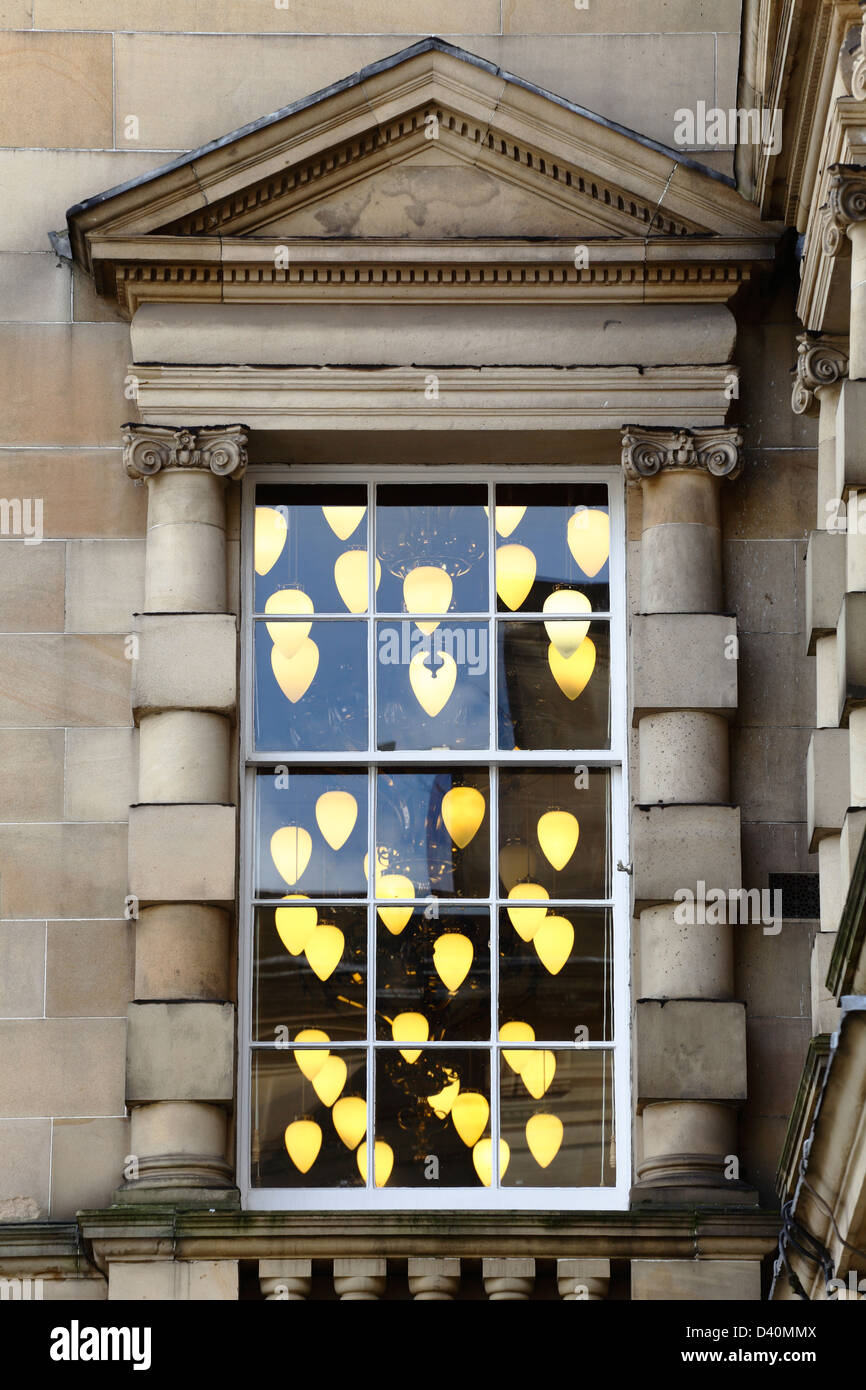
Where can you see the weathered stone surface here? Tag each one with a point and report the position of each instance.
(100, 773)
(84, 493)
(25, 1158)
(56, 90)
(696, 1281)
(63, 1067)
(62, 870)
(761, 584)
(87, 1161)
(196, 1281)
(23, 796)
(680, 662)
(182, 853)
(104, 584)
(180, 1051)
(691, 1050)
(186, 661)
(63, 382)
(827, 783)
(31, 583)
(33, 288)
(63, 680)
(674, 847)
(22, 969)
(850, 427)
(89, 968)
(825, 583)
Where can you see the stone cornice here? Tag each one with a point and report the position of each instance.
(647, 450)
(821, 361)
(149, 449)
(846, 204)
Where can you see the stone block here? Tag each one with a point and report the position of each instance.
(186, 661)
(305, 17)
(66, 1067)
(832, 891)
(25, 1162)
(104, 584)
(92, 1290)
(827, 783)
(696, 1281)
(48, 680)
(86, 1164)
(100, 773)
(771, 970)
(851, 654)
(63, 383)
(56, 90)
(850, 840)
(765, 844)
(22, 969)
(16, 14)
(767, 773)
(31, 774)
(776, 489)
(675, 847)
(608, 17)
(776, 1053)
(90, 969)
(196, 1281)
(679, 662)
(62, 870)
(776, 681)
(33, 288)
(761, 584)
(31, 580)
(37, 186)
(182, 853)
(690, 1049)
(180, 1051)
(825, 1011)
(84, 493)
(850, 428)
(826, 683)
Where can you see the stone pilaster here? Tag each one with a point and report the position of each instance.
(685, 835)
(182, 829)
(844, 223)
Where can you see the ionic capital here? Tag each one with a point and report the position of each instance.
(845, 205)
(219, 449)
(647, 449)
(858, 70)
(821, 361)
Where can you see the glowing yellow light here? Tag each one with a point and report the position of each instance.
(410, 1026)
(336, 813)
(537, 1072)
(394, 886)
(303, 1140)
(566, 636)
(291, 847)
(295, 925)
(462, 813)
(271, 530)
(516, 1032)
(350, 1120)
(350, 577)
(343, 520)
(482, 1160)
(324, 950)
(553, 943)
(452, 957)
(427, 589)
(558, 833)
(527, 920)
(311, 1060)
(470, 1113)
(294, 675)
(443, 1100)
(383, 1161)
(544, 1137)
(572, 674)
(329, 1082)
(589, 539)
(515, 573)
(288, 638)
(507, 519)
(432, 685)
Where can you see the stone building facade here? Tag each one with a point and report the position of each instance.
(495, 268)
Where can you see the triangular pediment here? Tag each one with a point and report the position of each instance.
(431, 148)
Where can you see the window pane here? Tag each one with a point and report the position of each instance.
(549, 539)
(301, 1107)
(301, 533)
(556, 973)
(432, 834)
(311, 834)
(311, 686)
(311, 971)
(433, 689)
(557, 1118)
(436, 967)
(424, 529)
(554, 685)
(432, 1111)
(554, 827)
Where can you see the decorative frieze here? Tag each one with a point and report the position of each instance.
(845, 205)
(646, 450)
(148, 449)
(821, 361)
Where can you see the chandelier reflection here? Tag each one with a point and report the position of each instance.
(427, 589)
(433, 537)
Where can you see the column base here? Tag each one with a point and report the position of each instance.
(140, 1195)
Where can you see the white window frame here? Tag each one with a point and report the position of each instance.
(495, 1198)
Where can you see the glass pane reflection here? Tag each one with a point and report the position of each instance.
(301, 532)
(556, 972)
(437, 967)
(557, 1118)
(430, 528)
(543, 545)
(432, 834)
(311, 971)
(321, 1131)
(311, 686)
(311, 833)
(433, 690)
(432, 1111)
(554, 685)
(554, 831)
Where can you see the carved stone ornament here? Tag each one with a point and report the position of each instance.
(647, 450)
(820, 362)
(858, 70)
(846, 204)
(221, 449)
